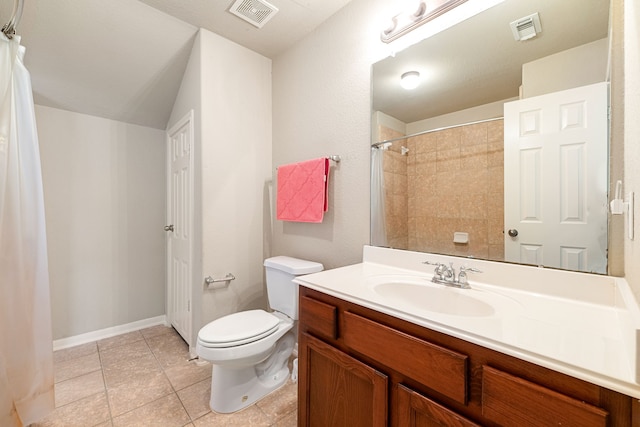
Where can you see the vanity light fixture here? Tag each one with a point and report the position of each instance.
(427, 10)
(410, 80)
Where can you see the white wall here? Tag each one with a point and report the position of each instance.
(632, 135)
(229, 88)
(236, 165)
(322, 107)
(563, 70)
(104, 202)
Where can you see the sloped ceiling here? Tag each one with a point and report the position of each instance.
(124, 59)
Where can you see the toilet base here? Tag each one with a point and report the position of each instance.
(235, 388)
(232, 399)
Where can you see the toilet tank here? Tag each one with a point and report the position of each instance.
(281, 291)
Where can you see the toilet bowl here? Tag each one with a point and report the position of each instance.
(249, 350)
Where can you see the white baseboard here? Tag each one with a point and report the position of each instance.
(108, 332)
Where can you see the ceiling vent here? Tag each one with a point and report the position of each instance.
(255, 12)
(526, 28)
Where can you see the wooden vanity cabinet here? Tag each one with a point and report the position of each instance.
(360, 367)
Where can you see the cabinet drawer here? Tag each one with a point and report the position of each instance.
(438, 368)
(318, 317)
(510, 400)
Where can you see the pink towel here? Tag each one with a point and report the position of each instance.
(302, 191)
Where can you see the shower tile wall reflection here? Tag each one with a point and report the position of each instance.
(395, 191)
(450, 180)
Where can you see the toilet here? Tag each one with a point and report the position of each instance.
(250, 350)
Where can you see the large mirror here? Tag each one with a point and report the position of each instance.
(501, 151)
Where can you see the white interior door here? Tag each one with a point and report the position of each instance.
(555, 171)
(180, 225)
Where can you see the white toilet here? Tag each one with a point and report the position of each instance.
(250, 350)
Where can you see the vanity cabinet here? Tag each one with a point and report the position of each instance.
(360, 367)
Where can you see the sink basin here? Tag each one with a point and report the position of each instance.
(422, 294)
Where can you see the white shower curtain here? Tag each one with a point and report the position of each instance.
(26, 356)
(378, 227)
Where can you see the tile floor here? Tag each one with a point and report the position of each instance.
(144, 378)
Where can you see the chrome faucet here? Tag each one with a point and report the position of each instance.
(446, 275)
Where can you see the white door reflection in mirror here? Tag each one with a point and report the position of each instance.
(555, 180)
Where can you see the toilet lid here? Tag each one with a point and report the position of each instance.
(238, 328)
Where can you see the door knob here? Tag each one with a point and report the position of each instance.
(513, 232)
(168, 227)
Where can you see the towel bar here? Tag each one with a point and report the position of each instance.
(333, 158)
(209, 280)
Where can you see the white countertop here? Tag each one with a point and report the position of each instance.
(582, 325)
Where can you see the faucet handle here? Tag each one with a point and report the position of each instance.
(440, 268)
(462, 276)
(449, 272)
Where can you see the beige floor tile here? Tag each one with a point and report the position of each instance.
(249, 417)
(195, 398)
(131, 371)
(186, 374)
(72, 368)
(281, 402)
(169, 349)
(141, 378)
(119, 340)
(127, 351)
(157, 330)
(132, 395)
(77, 388)
(290, 420)
(74, 352)
(90, 411)
(166, 412)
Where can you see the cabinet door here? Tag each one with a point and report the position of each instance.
(415, 410)
(338, 390)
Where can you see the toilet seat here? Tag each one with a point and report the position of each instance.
(238, 329)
